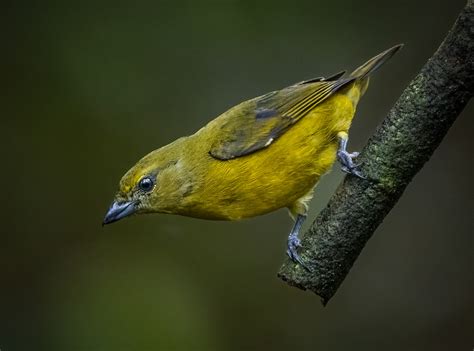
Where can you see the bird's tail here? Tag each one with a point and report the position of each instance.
(374, 63)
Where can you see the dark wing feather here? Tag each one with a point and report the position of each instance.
(255, 124)
(320, 79)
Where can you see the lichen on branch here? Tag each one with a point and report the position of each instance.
(399, 148)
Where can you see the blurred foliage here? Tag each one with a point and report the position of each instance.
(89, 87)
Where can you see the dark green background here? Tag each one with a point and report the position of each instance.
(90, 87)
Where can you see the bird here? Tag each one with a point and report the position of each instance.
(261, 155)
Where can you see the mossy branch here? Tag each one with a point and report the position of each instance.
(401, 145)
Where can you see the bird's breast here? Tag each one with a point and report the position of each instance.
(276, 176)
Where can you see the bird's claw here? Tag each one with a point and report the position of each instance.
(348, 165)
(293, 244)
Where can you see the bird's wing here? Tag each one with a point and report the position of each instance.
(255, 124)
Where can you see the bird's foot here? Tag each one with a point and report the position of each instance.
(347, 163)
(293, 244)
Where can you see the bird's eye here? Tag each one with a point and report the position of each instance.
(146, 184)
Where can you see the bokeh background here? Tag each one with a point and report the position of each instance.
(89, 87)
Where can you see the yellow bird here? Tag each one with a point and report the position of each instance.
(261, 155)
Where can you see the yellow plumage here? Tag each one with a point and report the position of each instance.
(277, 176)
(261, 155)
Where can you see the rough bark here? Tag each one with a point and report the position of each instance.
(399, 148)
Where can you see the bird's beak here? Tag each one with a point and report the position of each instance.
(119, 210)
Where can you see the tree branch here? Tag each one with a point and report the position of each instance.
(401, 145)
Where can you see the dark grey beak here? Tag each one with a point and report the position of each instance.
(119, 210)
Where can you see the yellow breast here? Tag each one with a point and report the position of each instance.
(279, 175)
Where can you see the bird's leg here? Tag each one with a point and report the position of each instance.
(345, 158)
(294, 241)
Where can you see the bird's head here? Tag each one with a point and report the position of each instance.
(151, 185)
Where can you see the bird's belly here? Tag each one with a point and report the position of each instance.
(283, 180)
(276, 176)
